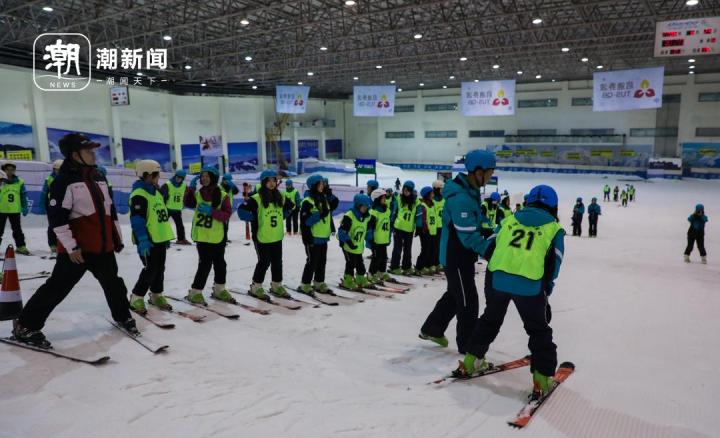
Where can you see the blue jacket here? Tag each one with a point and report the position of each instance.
(594, 210)
(697, 224)
(579, 209)
(517, 285)
(138, 220)
(461, 221)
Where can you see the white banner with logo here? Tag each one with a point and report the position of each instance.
(291, 99)
(628, 89)
(211, 145)
(488, 98)
(374, 101)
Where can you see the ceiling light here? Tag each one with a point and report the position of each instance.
(310, 73)
(584, 59)
(538, 76)
(163, 80)
(452, 77)
(692, 2)
(565, 49)
(691, 72)
(300, 83)
(254, 87)
(349, 3)
(248, 58)
(599, 67)
(421, 84)
(167, 37)
(519, 72)
(355, 78)
(399, 89)
(203, 84)
(537, 20)
(323, 48)
(691, 67)
(141, 73)
(47, 9)
(496, 66)
(691, 60)
(444, 86)
(378, 67)
(463, 59)
(392, 82)
(188, 67)
(553, 80)
(251, 80)
(417, 36)
(476, 80)
(244, 22)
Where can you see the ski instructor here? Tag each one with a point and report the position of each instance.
(82, 215)
(460, 244)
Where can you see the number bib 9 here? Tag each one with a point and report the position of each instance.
(520, 250)
(10, 197)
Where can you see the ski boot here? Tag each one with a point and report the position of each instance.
(703, 260)
(53, 249)
(469, 366)
(440, 340)
(686, 258)
(305, 289)
(220, 293)
(159, 301)
(321, 287)
(410, 272)
(541, 385)
(427, 271)
(129, 326)
(279, 290)
(385, 276)
(397, 271)
(23, 250)
(348, 282)
(182, 242)
(257, 291)
(137, 304)
(362, 281)
(36, 338)
(372, 279)
(195, 296)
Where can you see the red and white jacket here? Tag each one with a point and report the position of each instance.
(81, 211)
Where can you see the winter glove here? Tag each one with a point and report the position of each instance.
(313, 219)
(205, 209)
(244, 215)
(193, 182)
(143, 247)
(25, 210)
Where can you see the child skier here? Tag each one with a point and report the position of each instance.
(489, 209)
(152, 233)
(631, 193)
(404, 226)
(696, 233)
(13, 202)
(606, 193)
(378, 236)
(212, 210)
(577, 217)
(231, 189)
(173, 192)
(624, 198)
(372, 185)
(292, 195)
(45, 199)
(523, 264)
(616, 192)
(265, 210)
(397, 184)
(439, 202)
(503, 210)
(594, 211)
(333, 201)
(315, 230)
(352, 241)
(426, 227)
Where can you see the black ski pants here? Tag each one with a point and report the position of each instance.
(176, 216)
(692, 239)
(379, 259)
(354, 264)
(402, 246)
(315, 263)
(269, 256)
(211, 256)
(17, 231)
(152, 275)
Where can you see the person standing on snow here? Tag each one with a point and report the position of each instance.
(83, 216)
(426, 227)
(404, 226)
(293, 195)
(378, 236)
(351, 235)
(606, 193)
(624, 198)
(489, 209)
(616, 192)
(460, 244)
(13, 202)
(594, 212)
(45, 199)
(173, 192)
(397, 184)
(315, 230)
(231, 190)
(696, 233)
(577, 217)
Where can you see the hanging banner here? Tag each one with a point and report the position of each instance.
(628, 89)
(374, 101)
(291, 99)
(211, 146)
(488, 98)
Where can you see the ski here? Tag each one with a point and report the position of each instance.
(525, 415)
(333, 293)
(364, 291)
(98, 361)
(398, 282)
(383, 287)
(205, 307)
(268, 300)
(155, 322)
(247, 307)
(314, 296)
(33, 276)
(293, 299)
(48, 257)
(519, 363)
(190, 316)
(148, 345)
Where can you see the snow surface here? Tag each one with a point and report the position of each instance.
(640, 325)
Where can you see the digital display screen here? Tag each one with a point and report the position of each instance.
(672, 43)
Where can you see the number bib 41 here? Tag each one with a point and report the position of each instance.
(520, 249)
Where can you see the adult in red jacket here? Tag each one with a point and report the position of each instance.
(82, 214)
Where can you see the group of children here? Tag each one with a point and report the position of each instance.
(627, 194)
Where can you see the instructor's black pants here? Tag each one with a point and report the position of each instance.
(700, 239)
(269, 256)
(534, 314)
(65, 276)
(176, 216)
(593, 226)
(211, 256)
(315, 263)
(460, 300)
(152, 276)
(402, 246)
(291, 222)
(378, 261)
(51, 237)
(17, 231)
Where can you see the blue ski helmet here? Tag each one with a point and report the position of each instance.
(373, 184)
(699, 207)
(579, 200)
(180, 173)
(269, 173)
(212, 172)
(543, 194)
(227, 176)
(359, 200)
(495, 197)
(593, 199)
(313, 180)
(479, 159)
(289, 182)
(410, 185)
(426, 191)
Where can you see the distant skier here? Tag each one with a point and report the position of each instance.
(594, 211)
(489, 209)
(333, 201)
(85, 221)
(45, 200)
(631, 193)
(173, 192)
(606, 193)
(372, 185)
(352, 241)
(397, 184)
(616, 192)
(439, 202)
(624, 198)
(460, 244)
(696, 233)
(426, 228)
(405, 220)
(577, 217)
(231, 190)
(13, 202)
(293, 195)
(523, 263)
(378, 236)
(503, 210)
(315, 228)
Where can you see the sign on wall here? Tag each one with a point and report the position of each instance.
(374, 101)
(119, 96)
(628, 89)
(488, 98)
(103, 154)
(693, 37)
(291, 99)
(211, 146)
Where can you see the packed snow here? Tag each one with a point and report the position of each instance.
(640, 325)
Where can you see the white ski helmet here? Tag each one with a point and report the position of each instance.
(377, 193)
(57, 164)
(438, 184)
(146, 166)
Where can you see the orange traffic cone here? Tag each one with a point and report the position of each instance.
(10, 298)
